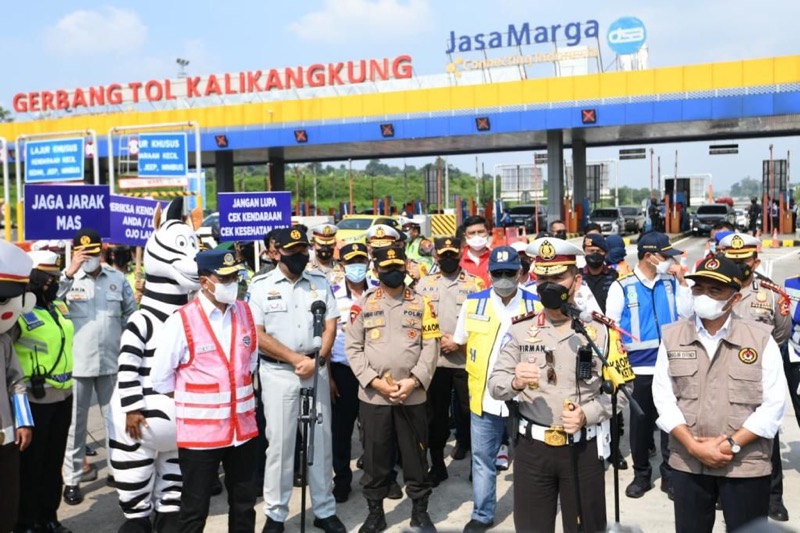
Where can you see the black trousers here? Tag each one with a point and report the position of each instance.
(641, 432)
(544, 473)
(9, 474)
(199, 468)
(344, 411)
(743, 500)
(446, 381)
(410, 425)
(40, 464)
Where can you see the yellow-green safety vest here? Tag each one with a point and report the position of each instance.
(41, 342)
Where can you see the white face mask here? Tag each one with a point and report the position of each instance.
(91, 264)
(663, 267)
(226, 293)
(477, 242)
(707, 307)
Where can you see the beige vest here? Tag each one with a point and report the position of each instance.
(716, 396)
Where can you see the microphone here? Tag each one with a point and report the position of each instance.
(572, 311)
(318, 309)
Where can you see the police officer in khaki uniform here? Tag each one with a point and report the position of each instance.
(761, 301)
(392, 345)
(561, 413)
(720, 392)
(447, 290)
(323, 239)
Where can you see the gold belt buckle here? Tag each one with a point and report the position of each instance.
(555, 436)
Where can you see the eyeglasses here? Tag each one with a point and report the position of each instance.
(504, 273)
(552, 378)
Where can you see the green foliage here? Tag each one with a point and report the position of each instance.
(746, 188)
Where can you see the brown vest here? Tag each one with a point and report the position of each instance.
(716, 396)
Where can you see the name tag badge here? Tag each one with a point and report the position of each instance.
(77, 296)
(482, 318)
(205, 348)
(681, 355)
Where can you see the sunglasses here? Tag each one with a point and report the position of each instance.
(552, 378)
(504, 273)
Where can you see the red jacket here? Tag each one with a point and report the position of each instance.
(481, 269)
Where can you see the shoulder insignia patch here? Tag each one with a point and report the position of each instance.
(354, 312)
(521, 318)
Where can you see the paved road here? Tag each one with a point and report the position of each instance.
(451, 503)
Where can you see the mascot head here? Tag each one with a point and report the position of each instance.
(170, 250)
(15, 271)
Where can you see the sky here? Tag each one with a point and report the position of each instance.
(67, 44)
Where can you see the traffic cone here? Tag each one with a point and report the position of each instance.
(775, 242)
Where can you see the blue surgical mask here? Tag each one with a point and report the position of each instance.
(356, 272)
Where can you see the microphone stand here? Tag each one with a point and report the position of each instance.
(307, 418)
(615, 383)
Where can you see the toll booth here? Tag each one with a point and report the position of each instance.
(775, 184)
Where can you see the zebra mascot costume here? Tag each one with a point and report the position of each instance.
(145, 465)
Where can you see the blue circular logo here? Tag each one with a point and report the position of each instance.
(626, 35)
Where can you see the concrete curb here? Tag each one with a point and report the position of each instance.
(784, 243)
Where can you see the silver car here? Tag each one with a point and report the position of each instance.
(610, 220)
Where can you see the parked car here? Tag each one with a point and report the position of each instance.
(610, 220)
(353, 228)
(709, 215)
(742, 218)
(634, 218)
(522, 216)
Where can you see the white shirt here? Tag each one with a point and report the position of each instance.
(615, 305)
(767, 417)
(504, 313)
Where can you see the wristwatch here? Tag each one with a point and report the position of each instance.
(735, 448)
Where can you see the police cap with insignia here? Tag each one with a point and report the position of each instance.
(411, 225)
(348, 252)
(443, 245)
(290, 237)
(740, 245)
(719, 269)
(46, 261)
(552, 256)
(87, 240)
(15, 270)
(218, 261)
(389, 256)
(380, 235)
(324, 234)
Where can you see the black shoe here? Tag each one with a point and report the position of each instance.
(111, 482)
(89, 451)
(341, 494)
(72, 495)
(420, 519)
(55, 527)
(718, 505)
(360, 463)
(437, 474)
(476, 526)
(332, 524)
(166, 522)
(136, 525)
(459, 452)
(376, 520)
(778, 512)
(216, 486)
(272, 526)
(666, 488)
(622, 464)
(395, 492)
(637, 488)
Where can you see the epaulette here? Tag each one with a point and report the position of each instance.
(520, 318)
(377, 294)
(408, 294)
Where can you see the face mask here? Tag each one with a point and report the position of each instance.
(504, 286)
(561, 235)
(356, 272)
(707, 307)
(295, 263)
(478, 242)
(226, 293)
(595, 260)
(324, 253)
(91, 264)
(663, 267)
(408, 235)
(746, 269)
(392, 278)
(448, 265)
(552, 295)
(712, 248)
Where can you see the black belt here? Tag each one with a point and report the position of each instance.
(269, 359)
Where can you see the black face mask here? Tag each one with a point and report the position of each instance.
(552, 295)
(745, 268)
(448, 265)
(595, 260)
(122, 258)
(324, 253)
(560, 235)
(392, 278)
(295, 263)
(45, 294)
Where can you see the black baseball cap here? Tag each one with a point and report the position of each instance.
(389, 256)
(348, 252)
(447, 244)
(290, 237)
(721, 270)
(657, 243)
(87, 240)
